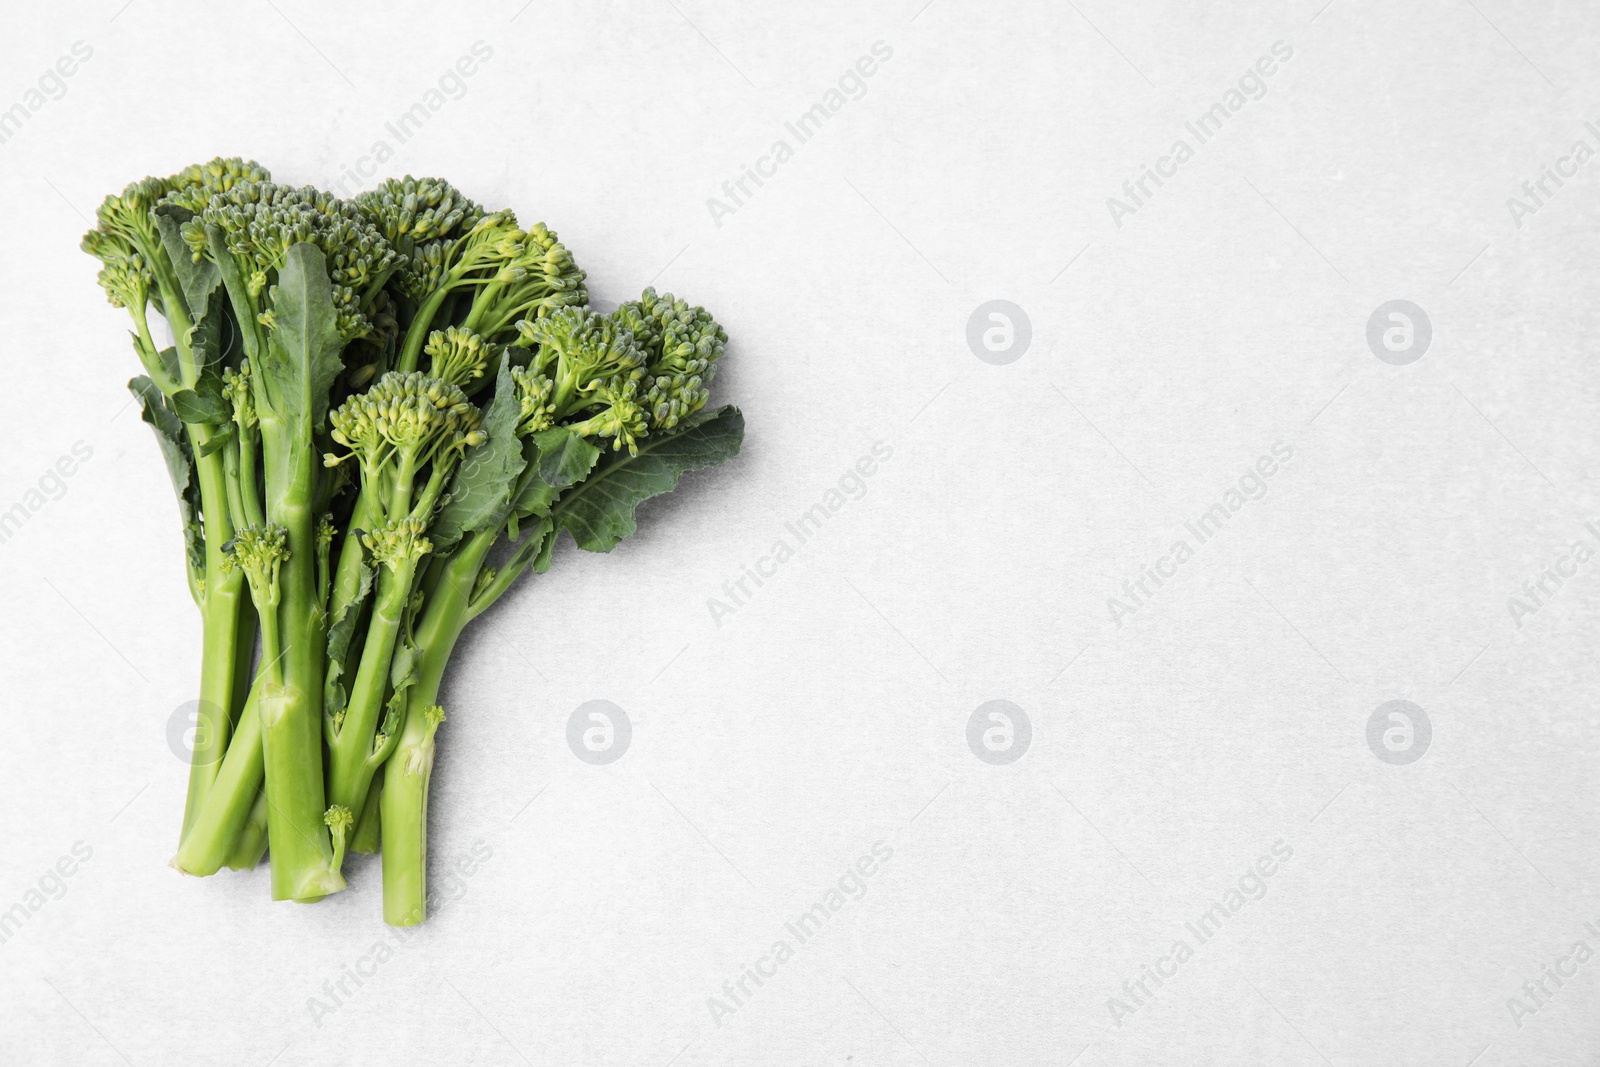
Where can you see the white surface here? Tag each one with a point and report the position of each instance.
(828, 713)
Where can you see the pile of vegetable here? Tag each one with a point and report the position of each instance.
(378, 414)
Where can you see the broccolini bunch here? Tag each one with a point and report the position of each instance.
(377, 414)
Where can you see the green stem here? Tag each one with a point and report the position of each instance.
(417, 334)
(369, 828)
(230, 466)
(350, 758)
(249, 482)
(210, 841)
(291, 712)
(221, 661)
(252, 842)
(403, 805)
(291, 725)
(244, 643)
(404, 485)
(347, 573)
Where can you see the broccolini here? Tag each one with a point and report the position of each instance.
(378, 414)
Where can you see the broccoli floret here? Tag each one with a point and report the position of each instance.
(422, 218)
(683, 345)
(195, 185)
(236, 389)
(126, 239)
(645, 367)
(259, 550)
(260, 221)
(405, 413)
(535, 411)
(576, 348)
(419, 209)
(404, 423)
(458, 355)
(339, 822)
(398, 542)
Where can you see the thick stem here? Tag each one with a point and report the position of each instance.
(369, 829)
(252, 841)
(404, 484)
(249, 483)
(291, 713)
(347, 573)
(210, 841)
(350, 762)
(291, 726)
(221, 658)
(244, 642)
(417, 334)
(404, 802)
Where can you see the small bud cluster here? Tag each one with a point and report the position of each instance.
(126, 277)
(683, 344)
(195, 185)
(422, 218)
(584, 345)
(236, 388)
(533, 265)
(458, 355)
(259, 551)
(126, 233)
(122, 239)
(399, 541)
(410, 413)
(534, 390)
(260, 221)
(421, 209)
(621, 418)
(325, 532)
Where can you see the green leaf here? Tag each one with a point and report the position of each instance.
(600, 511)
(547, 550)
(204, 404)
(302, 358)
(480, 491)
(213, 336)
(339, 634)
(238, 290)
(169, 363)
(180, 463)
(214, 443)
(564, 457)
(403, 668)
(533, 547)
(198, 279)
(559, 458)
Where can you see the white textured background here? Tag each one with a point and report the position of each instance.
(829, 712)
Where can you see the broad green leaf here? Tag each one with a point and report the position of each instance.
(560, 458)
(215, 442)
(340, 632)
(599, 512)
(403, 668)
(204, 404)
(547, 550)
(198, 278)
(480, 491)
(213, 336)
(169, 362)
(535, 546)
(564, 457)
(302, 358)
(180, 462)
(238, 290)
